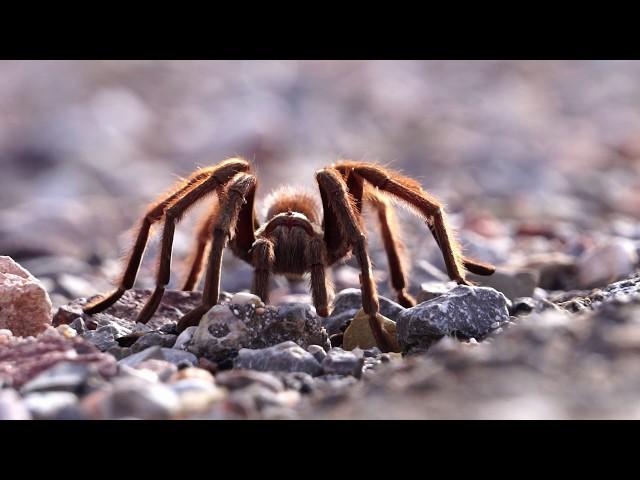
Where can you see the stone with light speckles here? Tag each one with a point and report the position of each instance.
(464, 312)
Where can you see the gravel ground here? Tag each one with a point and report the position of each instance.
(538, 164)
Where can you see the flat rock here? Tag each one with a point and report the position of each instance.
(25, 306)
(284, 357)
(23, 359)
(152, 339)
(464, 312)
(174, 304)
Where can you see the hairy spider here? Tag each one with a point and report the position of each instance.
(295, 239)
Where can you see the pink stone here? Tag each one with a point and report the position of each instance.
(25, 306)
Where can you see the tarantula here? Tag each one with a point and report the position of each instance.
(296, 239)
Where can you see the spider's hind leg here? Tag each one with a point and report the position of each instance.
(390, 232)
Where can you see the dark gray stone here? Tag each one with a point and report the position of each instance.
(341, 362)
(464, 312)
(137, 358)
(347, 303)
(284, 357)
(179, 357)
(183, 340)
(102, 337)
(152, 339)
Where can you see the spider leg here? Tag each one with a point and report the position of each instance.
(393, 246)
(155, 213)
(473, 265)
(203, 239)
(241, 243)
(334, 192)
(428, 207)
(232, 199)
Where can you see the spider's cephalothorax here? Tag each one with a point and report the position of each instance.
(298, 236)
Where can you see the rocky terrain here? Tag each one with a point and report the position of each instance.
(537, 162)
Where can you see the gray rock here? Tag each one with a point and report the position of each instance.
(337, 323)
(521, 306)
(464, 312)
(179, 357)
(341, 362)
(137, 358)
(347, 303)
(183, 340)
(12, 406)
(46, 405)
(512, 283)
(171, 355)
(284, 357)
(119, 352)
(238, 379)
(135, 398)
(152, 339)
(63, 376)
(225, 329)
(318, 352)
(78, 325)
(103, 337)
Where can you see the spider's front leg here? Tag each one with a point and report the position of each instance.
(337, 203)
(232, 200)
(200, 184)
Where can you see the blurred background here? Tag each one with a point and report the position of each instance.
(546, 148)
